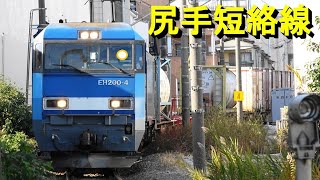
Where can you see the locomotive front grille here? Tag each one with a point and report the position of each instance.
(89, 120)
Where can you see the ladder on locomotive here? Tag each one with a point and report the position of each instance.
(39, 27)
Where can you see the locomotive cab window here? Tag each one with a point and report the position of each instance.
(139, 56)
(88, 57)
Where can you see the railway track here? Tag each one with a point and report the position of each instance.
(108, 174)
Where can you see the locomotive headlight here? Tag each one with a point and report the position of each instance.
(94, 35)
(84, 35)
(89, 34)
(120, 103)
(59, 103)
(122, 54)
(62, 103)
(115, 104)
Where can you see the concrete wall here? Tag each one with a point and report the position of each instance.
(14, 18)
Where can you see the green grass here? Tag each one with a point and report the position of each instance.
(229, 162)
(236, 151)
(250, 133)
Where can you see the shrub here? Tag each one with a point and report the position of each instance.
(15, 113)
(173, 139)
(250, 133)
(231, 162)
(19, 159)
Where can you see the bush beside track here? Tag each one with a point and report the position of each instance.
(234, 151)
(18, 150)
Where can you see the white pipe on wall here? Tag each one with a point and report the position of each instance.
(2, 55)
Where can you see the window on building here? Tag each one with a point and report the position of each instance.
(232, 59)
(290, 59)
(246, 59)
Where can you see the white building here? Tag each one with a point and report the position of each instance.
(14, 18)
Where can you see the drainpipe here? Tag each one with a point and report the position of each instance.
(2, 55)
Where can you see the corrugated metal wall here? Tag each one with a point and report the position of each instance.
(257, 85)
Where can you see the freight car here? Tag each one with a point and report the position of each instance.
(257, 84)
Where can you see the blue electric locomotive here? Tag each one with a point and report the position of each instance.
(89, 94)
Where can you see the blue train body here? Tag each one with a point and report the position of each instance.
(89, 94)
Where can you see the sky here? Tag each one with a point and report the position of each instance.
(301, 55)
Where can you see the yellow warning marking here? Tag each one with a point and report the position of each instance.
(238, 96)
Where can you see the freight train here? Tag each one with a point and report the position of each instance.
(89, 98)
(94, 94)
(258, 84)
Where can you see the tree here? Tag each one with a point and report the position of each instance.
(313, 68)
(18, 152)
(15, 114)
(19, 158)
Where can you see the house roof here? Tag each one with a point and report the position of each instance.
(231, 44)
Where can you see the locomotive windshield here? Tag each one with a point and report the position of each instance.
(87, 57)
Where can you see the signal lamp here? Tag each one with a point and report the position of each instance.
(305, 108)
(128, 129)
(122, 54)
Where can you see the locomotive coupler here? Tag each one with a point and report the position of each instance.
(88, 139)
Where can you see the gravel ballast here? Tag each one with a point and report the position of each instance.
(156, 167)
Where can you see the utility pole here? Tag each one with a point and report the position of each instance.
(303, 169)
(118, 7)
(213, 47)
(221, 47)
(96, 11)
(42, 13)
(203, 55)
(213, 41)
(238, 72)
(198, 137)
(185, 85)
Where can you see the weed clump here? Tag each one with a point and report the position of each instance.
(250, 133)
(173, 139)
(229, 161)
